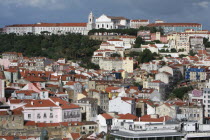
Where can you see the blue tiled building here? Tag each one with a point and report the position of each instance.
(195, 73)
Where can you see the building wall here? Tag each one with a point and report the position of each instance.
(122, 107)
(69, 115)
(36, 112)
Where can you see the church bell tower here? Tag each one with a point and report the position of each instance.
(91, 21)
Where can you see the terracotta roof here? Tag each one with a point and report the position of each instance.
(157, 81)
(148, 118)
(17, 111)
(34, 79)
(70, 83)
(75, 136)
(30, 123)
(128, 116)
(106, 116)
(174, 24)
(7, 137)
(47, 124)
(17, 101)
(3, 113)
(41, 103)
(50, 25)
(110, 89)
(64, 104)
(127, 98)
(26, 92)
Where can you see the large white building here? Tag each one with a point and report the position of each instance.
(107, 22)
(52, 28)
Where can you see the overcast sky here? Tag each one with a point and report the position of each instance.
(55, 11)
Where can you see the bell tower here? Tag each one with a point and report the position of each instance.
(91, 21)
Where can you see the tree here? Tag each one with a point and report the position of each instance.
(180, 92)
(162, 50)
(192, 53)
(206, 42)
(71, 46)
(173, 50)
(138, 42)
(157, 41)
(145, 56)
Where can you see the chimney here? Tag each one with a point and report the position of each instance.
(57, 103)
(32, 103)
(164, 120)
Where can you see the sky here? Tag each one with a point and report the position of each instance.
(60, 11)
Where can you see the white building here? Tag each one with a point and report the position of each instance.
(136, 23)
(110, 22)
(104, 122)
(117, 63)
(122, 104)
(51, 110)
(52, 28)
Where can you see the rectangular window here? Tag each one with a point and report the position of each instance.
(51, 115)
(38, 116)
(29, 116)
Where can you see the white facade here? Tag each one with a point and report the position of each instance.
(102, 126)
(116, 64)
(122, 106)
(52, 28)
(150, 66)
(109, 22)
(164, 77)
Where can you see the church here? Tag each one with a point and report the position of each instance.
(107, 22)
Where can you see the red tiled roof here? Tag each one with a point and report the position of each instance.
(148, 118)
(47, 124)
(127, 117)
(50, 25)
(70, 83)
(64, 104)
(174, 24)
(26, 92)
(40, 103)
(8, 137)
(30, 123)
(3, 113)
(17, 101)
(106, 116)
(109, 89)
(34, 79)
(17, 111)
(75, 135)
